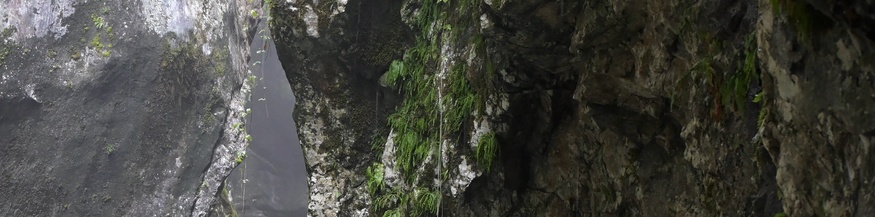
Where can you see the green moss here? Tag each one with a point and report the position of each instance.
(4, 52)
(220, 60)
(109, 148)
(7, 32)
(6, 49)
(97, 42)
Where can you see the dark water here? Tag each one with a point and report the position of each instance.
(274, 173)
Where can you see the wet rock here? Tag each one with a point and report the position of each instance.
(640, 108)
(120, 108)
(819, 125)
(333, 55)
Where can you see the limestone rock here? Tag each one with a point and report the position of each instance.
(120, 108)
(602, 108)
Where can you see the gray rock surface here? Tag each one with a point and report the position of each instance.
(120, 108)
(631, 108)
(340, 106)
(820, 122)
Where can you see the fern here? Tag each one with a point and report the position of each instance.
(487, 148)
(427, 202)
(375, 178)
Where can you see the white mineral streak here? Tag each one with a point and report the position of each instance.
(467, 173)
(391, 174)
(341, 7)
(181, 16)
(312, 21)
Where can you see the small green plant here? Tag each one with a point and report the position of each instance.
(109, 148)
(386, 201)
(764, 113)
(396, 71)
(241, 155)
(735, 92)
(427, 202)
(487, 148)
(375, 178)
(435, 107)
(252, 80)
(96, 42)
(99, 22)
(7, 32)
(781, 214)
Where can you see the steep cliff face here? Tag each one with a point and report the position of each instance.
(820, 124)
(120, 108)
(635, 108)
(333, 53)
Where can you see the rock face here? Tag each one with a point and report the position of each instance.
(342, 107)
(820, 127)
(120, 108)
(600, 108)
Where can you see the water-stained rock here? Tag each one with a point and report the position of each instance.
(120, 108)
(634, 108)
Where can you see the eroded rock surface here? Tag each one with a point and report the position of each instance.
(333, 54)
(120, 108)
(634, 108)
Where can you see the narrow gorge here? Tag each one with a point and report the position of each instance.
(437, 108)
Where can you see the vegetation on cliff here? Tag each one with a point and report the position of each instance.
(438, 101)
